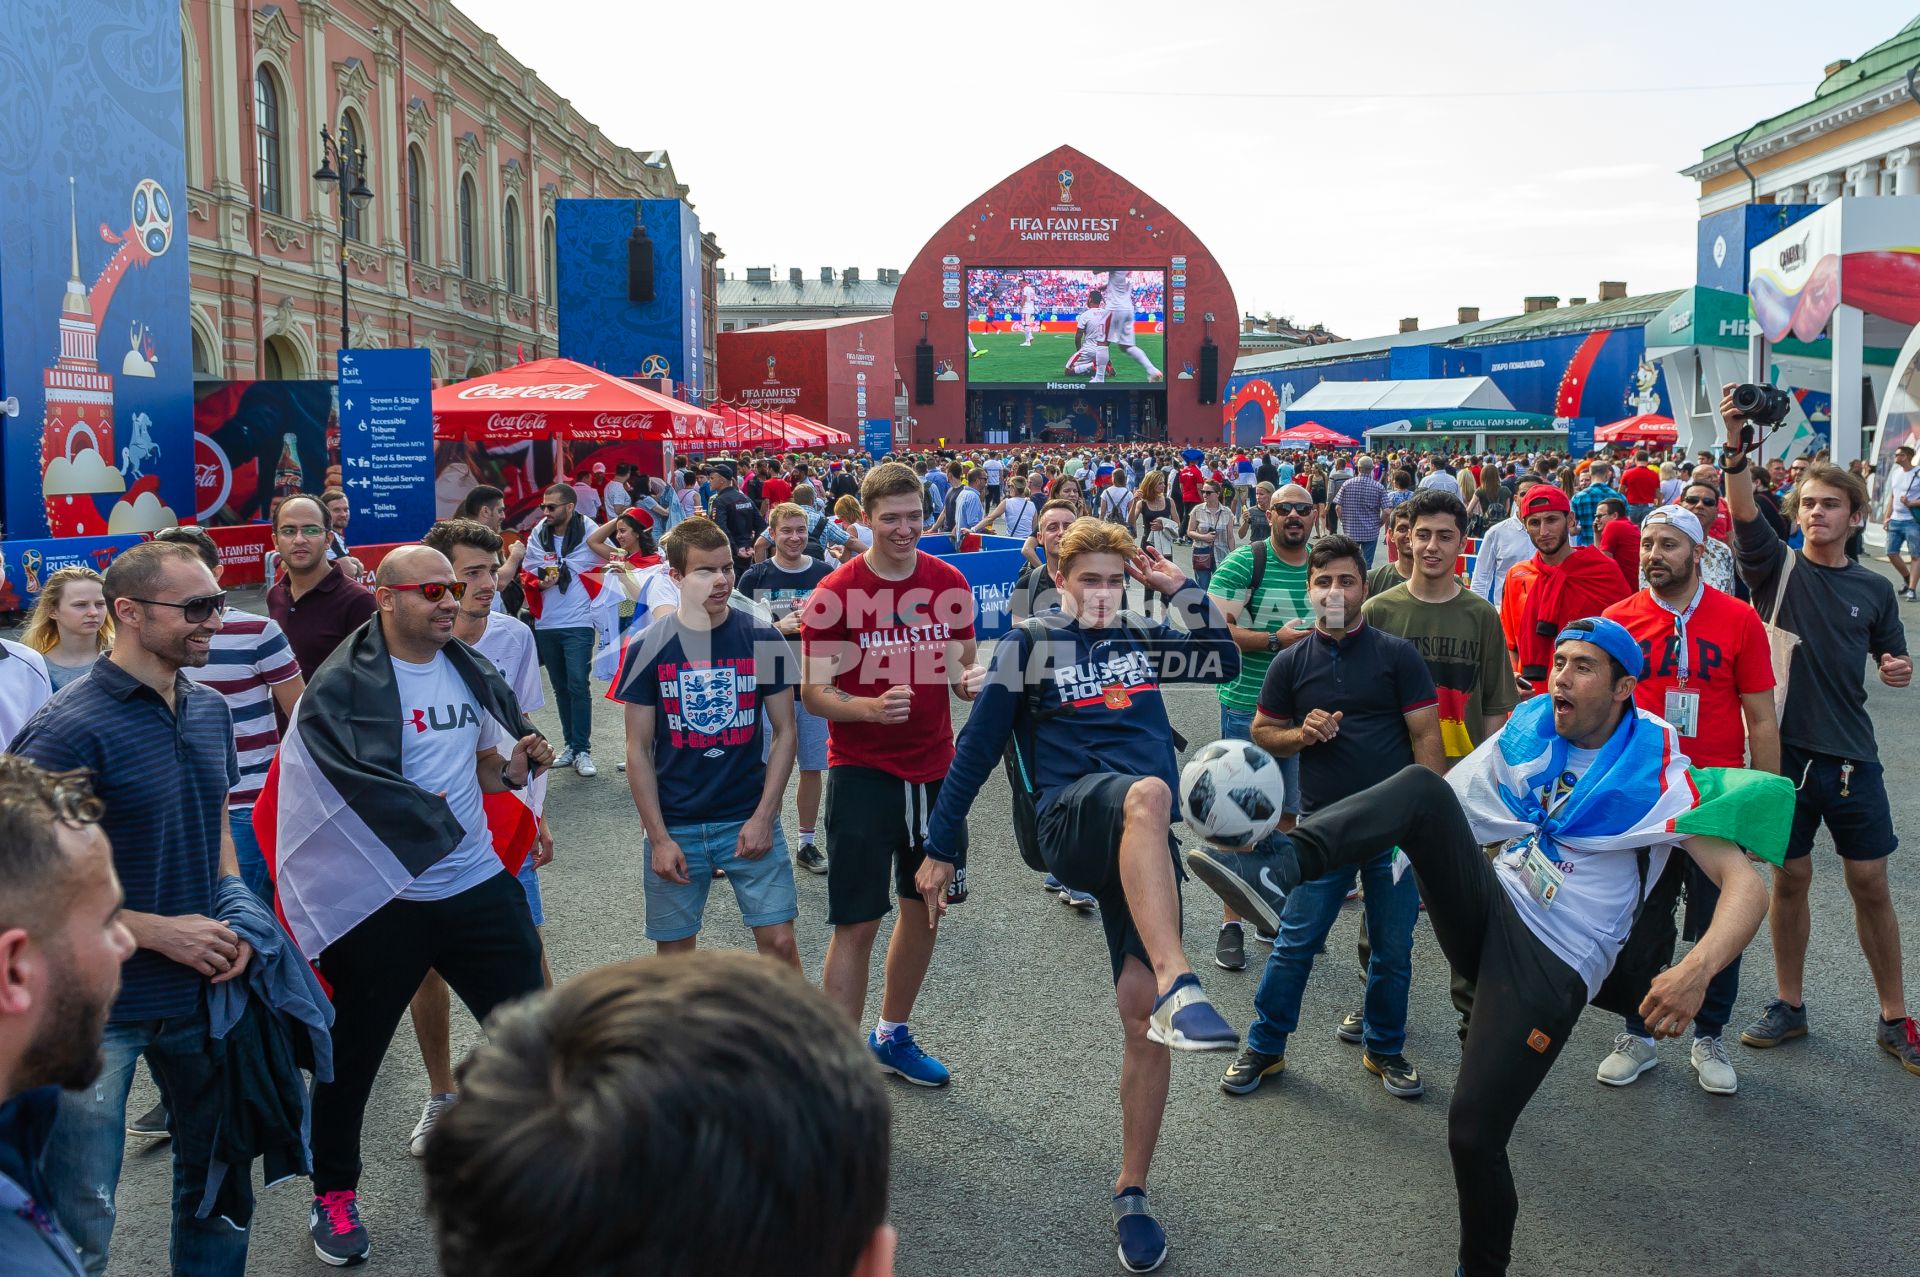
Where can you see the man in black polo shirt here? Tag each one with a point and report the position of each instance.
(736, 514)
(1355, 704)
(159, 748)
(315, 603)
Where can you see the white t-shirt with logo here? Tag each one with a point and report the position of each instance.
(1592, 911)
(508, 643)
(1902, 485)
(442, 730)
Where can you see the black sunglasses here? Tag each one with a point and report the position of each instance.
(1699, 501)
(1293, 507)
(434, 591)
(193, 611)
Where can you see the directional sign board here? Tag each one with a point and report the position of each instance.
(386, 443)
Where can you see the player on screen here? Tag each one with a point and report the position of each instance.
(986, 319)
(1091, 330)
(1029, 300)
(1120, 323)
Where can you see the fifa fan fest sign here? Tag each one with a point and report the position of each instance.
(1023, 261)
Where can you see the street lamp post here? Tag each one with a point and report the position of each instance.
(341, 151)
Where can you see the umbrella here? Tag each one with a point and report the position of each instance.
(1192, 454)
(1648, 427)
(555, 399)
(1312, 432)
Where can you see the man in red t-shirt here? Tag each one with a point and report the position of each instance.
(1618, 537)
(773, 491)
(1640, 485)
(1187, 484)
(1709, 673)
(884, 637)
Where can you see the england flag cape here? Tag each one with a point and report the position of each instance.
(341, 828)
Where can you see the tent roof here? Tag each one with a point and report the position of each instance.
(1421, 395)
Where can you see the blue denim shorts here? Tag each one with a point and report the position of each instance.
(762, 887)
(812, 755)
(530, 882)
(1904, 535)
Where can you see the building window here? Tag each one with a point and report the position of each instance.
(466, 227)
(547, 256)
(266, 138)
(510, 244)
(416, 215)
(271, 366)
(726, 328)
(352, 217)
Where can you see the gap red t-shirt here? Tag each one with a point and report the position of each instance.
(892, 632)
(1727, 656)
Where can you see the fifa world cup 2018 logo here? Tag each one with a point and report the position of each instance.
(771, 362)
(30, 570)
(1066, 186)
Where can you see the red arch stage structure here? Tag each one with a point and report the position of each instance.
(1005, 297)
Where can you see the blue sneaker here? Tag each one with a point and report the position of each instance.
(1081, 900)
(1184, 1020)
(1052, 884)
(900, 1054)
(1143, 1243)
(1253, 883)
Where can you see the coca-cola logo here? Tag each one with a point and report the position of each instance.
(516, 421)
(548, 390)
(212, 477)
(621, 421)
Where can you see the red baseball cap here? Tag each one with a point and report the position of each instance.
(1544, 498)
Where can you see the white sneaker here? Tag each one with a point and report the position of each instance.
(1715, 1069)
(1631, 1057)
(583, 765)
(563, 759)
(436, 1105)
(620, 765)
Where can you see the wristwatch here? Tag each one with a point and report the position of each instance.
(1273, 641)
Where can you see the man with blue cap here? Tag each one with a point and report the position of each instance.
(1585, 795)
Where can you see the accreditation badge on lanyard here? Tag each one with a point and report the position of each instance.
(1683, 702)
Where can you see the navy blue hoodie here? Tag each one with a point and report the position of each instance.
(1119, 723)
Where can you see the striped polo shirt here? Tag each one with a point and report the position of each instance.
(249, 656)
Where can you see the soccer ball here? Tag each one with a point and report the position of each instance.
(152, 217)
(1231, 792)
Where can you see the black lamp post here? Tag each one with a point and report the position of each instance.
(349, 182)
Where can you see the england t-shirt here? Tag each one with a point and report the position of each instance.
(442, 730)
(1592, 910)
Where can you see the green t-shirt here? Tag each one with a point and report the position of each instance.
(1384, 578)
(1283, 598)
(1465, 650)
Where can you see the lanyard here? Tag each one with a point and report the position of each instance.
(1680, 623)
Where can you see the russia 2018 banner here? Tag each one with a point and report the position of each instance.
(95, 345)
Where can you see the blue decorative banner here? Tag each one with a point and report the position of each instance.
(991, 572)
(386, 443)
(1579, 436)
(26, 565)
(877, 438)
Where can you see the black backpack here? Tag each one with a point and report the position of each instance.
(1031, 711)
(1650, 939)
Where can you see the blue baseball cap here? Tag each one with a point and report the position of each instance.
(1610, 637)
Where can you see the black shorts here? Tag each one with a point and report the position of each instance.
(1860, 820)
(1080, 841)
(875, 820)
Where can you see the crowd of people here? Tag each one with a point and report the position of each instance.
(243, 848)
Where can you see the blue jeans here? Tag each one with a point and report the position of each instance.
(253, 863)
(1391, 909)
(82, 1163)
(1238, 725)
(762, 887)
(567, 655)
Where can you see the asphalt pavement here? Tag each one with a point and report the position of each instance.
(1809, 1169)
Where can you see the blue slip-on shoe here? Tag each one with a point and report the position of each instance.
(1184, 1020)
(1081, 900)
(1254, 883)
(1052, 885)
(1143, 1243)
(899, 1053)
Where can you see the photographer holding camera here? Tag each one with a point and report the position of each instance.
(1828, 616)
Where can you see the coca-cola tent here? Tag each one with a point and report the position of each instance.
(814, 434)
(1309, 434)
(557, 399)
(1646, 428)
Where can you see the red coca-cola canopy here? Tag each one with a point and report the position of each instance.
(556, 399)
(1646, 428)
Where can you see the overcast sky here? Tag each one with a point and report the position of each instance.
(1347, 164)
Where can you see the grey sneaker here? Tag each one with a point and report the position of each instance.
(583, 765)
(1230, 949)
(562, 759)
(1902, 1042)
(1715, 1069)
(1775, 1025)
(430, 1114)
(810, 859)
(1254, 884)
(1631, 1056)
(151, 1124)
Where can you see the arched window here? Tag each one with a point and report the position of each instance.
(266, 138)
(352, 217)
(272, 367)
(466, 227)
(547, 257)
(510, 243)
(416, 215)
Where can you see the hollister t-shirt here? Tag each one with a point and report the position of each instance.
(706, 688)
(887, 634)
(442, 730)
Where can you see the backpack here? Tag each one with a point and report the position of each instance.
(1028, 714)
(1650, 939)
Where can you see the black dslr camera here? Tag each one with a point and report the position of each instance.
(1763, 406)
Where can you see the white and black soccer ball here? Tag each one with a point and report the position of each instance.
(1231, 792)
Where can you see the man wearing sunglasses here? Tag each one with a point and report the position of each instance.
(554, 572)
(315, 603)
(159, 748)
(1702, 501)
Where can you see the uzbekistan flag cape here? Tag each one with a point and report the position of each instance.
(342, 829)
(1639, 792)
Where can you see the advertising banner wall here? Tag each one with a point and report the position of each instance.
(255, 441)
(598, 325)
(26, 565)
(386, 442)
(775, 368)
(94, 340)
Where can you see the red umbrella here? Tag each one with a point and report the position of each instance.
(1312, 432)
(555, 399)
(1648, 427)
